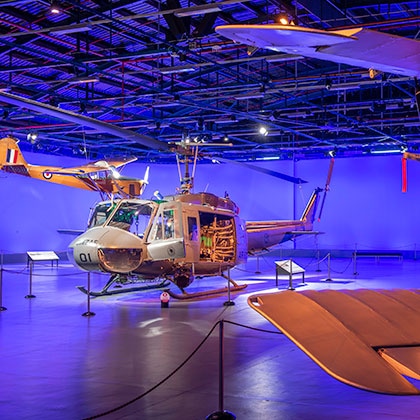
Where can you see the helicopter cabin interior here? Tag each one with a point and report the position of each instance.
(208, 236)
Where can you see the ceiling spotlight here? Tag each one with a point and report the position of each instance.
(55, 8)
(285, 19)
(328, 83)
(32, 137)
(263, 130)
(226, 138)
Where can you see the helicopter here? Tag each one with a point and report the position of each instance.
(177, 237)
(101, 176)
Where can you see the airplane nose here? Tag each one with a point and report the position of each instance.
(107, 249)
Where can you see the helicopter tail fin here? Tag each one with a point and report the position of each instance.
(11, 158)
(308, 215)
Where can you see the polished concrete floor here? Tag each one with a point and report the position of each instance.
(57, 364)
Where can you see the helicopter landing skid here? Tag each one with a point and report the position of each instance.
(124, 289)
(185, 295)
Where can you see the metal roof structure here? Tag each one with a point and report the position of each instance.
(118, 78)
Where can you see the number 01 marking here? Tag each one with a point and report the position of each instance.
(85, 257)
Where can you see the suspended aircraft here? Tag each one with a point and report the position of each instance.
(377, 51)
(101, 176)
(177, 237)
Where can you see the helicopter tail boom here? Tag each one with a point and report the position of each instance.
(265, 235)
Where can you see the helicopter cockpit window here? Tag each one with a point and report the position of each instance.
(100, 213)
(131, 216)
(164, 227)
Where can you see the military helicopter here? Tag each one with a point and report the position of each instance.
(177, 237)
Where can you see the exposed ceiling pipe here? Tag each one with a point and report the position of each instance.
(83, 120)
(392, 23)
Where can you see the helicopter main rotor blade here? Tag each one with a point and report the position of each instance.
(265, 171)
(83, 120)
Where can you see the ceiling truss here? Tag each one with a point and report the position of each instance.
(147, 70)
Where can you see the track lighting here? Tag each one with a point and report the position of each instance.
(55, 8)
(263, 130)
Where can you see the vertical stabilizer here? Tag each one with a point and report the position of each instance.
(10, 153)
(308, 216)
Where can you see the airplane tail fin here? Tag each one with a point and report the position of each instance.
(308, 215)
(10, 154)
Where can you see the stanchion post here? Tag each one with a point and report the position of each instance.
(221, 414)
(229, 302)
(318, 262)
(2, 308)
(258, 265)
(317, 254)
(329, 268)
(290, 275)
(31, 269)
(355, 261)
(88, 312)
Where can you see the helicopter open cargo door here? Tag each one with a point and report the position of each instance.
(217, 237)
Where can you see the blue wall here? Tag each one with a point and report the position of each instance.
(365, 205)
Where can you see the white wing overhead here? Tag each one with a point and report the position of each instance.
(357, 47)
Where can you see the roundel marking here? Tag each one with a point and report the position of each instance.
(47, 175)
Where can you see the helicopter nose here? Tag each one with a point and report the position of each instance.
(107, 249)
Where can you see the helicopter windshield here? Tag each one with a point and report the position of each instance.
(100, 213)
(132, 216)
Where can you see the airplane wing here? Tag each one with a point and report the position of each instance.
(365, 338)
(357, 47)
(92, 167)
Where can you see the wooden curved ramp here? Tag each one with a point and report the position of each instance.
(365, 338)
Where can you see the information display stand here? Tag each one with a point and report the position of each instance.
(34, 256)
(288, 267)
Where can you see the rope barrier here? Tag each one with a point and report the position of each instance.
(167, 377)
(25, 270)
